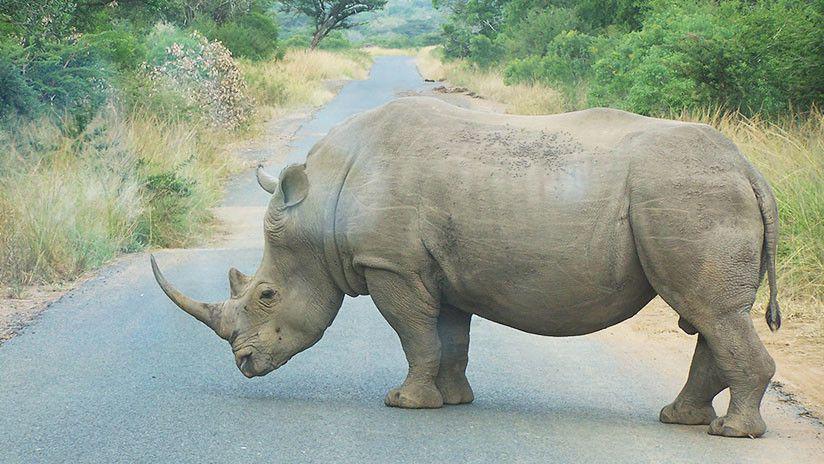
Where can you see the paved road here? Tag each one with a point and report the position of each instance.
(114, 373)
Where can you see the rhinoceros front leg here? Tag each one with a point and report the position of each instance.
(453, 330)
(413, 313)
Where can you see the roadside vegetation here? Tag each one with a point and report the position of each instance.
(116, 118)
(754, 70)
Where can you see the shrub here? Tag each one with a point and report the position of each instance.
(568, 60)
(530, 33)
(253, 36)
(120, 47)
(203, 73)
(336, 40)
(483, 51)
(753, 58)
(297, 41)
(16, 96)
(62, 78)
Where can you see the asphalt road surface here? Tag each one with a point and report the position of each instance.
(113, 372)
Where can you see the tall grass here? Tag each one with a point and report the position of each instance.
(299, 78)
(136, 177)
(69, 202)
(518, 98)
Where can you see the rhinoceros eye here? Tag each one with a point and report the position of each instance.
(267, 294)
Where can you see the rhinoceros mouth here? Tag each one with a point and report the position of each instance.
(245, 360)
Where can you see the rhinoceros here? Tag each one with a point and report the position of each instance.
(556, 225)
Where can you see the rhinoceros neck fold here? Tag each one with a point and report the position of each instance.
(331, 250)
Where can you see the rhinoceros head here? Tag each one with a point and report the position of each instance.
(287, 304)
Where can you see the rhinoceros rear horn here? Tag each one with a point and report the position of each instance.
(207, 313)
(267, 182)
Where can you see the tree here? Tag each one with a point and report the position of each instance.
(328, 15)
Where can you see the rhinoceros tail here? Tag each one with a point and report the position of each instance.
(769, 215)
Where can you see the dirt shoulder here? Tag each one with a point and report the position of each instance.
(653, 334)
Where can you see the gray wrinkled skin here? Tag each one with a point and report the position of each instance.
(555, 225)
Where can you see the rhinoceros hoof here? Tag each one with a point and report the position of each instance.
(738, 426)
(455, 389)
(680, 413)
(414, 396)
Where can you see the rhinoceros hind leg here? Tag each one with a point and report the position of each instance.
(453, 330)
(693, 406)
(745, 364)
(413, 313)
(701, 250)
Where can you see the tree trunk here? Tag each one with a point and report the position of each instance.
(320, 33)
(316, 38)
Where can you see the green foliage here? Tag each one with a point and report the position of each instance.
(253, 36)
(61, 78)
(469, 19)
(327, 16)
(335, 40)
(651, 56)
(761, 58)
(39, 21)
(483, 50)
(530, 33)
(623, 14)
(567, 59)
(119, 47)
(400, 24)
(297, 41)
(16, 95)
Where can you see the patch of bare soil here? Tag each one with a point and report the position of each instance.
(799, 355)
(19, 307)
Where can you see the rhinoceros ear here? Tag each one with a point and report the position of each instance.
(237, 281)
(294, 184)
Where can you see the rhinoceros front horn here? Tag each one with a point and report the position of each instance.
(207, 313)
(267, 182)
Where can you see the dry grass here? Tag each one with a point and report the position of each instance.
(518, 98)
(70, 202)
(300, 77)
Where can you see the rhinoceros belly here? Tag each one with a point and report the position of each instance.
(537, 241)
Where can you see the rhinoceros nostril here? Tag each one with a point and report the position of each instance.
(245, 366)
(241, 355)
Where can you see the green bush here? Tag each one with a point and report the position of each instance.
(336, 40)
(297, 41)
(61, 78)
(16, 95)
(253, 36)
(483, 51)
(762, 58)
(530, 33)
(121, 47)
(568, 60)
(652, 56)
